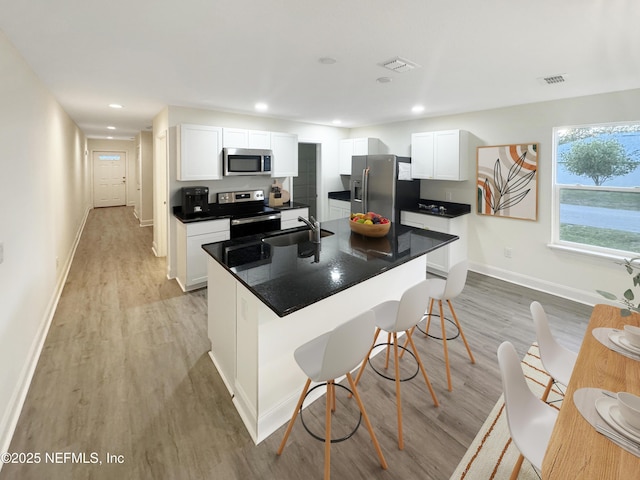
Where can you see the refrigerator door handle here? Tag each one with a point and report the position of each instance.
(365, 190)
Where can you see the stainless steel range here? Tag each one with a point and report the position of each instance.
(248, 213)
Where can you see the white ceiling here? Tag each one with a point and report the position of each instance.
(229, 54)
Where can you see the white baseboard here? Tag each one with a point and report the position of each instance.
(580, 296)
(10, 420)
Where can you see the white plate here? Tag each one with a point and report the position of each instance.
(608, 409)
(619, 339)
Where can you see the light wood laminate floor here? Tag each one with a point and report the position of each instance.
(125, 371)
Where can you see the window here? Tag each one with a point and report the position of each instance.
(596, 196)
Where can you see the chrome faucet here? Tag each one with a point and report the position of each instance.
(314, 225)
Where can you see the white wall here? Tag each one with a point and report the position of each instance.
(145, 182)
(533, 263)
(328, 137)
(44, 199)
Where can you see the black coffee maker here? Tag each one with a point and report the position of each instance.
(195, 200)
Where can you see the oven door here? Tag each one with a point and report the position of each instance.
(241, 227)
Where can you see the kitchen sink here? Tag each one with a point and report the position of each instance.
(293, 238)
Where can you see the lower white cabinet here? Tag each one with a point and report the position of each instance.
(192, 260)
(289, 218)
(442, 259)
(339, 209)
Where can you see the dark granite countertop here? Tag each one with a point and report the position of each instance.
(290, 278)
(215, 212)
(344, 195)
(453, 210)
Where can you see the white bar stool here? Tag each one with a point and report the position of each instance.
(396, 316)
(326, 358)
(440, 290)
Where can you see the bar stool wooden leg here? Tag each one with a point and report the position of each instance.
(464, 339)
(444, 344)
(295, 415)
(398, 396)
(426, 330)
(327, 435)
(516, 468)
(383, 462)
(386, 362)
(366, 358)
(421, 365)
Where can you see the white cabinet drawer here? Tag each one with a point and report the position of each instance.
(200, 228)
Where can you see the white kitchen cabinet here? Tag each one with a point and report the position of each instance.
(198, 150)
(243, 138)
(356, 146)
(339, 209)
(289, 218)
(285, 154)
(439, 261)
(192, 260)
(440, 155)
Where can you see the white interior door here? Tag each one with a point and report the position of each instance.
(109, 179)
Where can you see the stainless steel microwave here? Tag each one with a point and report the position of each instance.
(247, 161)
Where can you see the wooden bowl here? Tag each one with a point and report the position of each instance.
(375, 230)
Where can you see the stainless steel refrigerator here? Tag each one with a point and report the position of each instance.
(383, 184)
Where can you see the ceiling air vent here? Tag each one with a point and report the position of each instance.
(399, 65)
(552, 80)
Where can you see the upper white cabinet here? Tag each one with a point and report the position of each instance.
(199, 150)
(285, 154)
(440, 155)
(356, 146)
(242, 138)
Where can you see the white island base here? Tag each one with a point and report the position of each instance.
(252, 347)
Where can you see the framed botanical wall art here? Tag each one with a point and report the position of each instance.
(507, 183)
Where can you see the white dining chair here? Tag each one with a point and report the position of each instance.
(557, 360)
(330, 356)
(530, 420)
(395, 316)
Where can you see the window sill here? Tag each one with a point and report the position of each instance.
(587, 253)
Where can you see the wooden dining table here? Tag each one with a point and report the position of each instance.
(575, 449)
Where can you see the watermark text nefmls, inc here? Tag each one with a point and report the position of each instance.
(94, 458)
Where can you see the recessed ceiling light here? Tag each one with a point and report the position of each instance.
(261, 107)
(337, 122)
(111, 127)
(115, 105)
(327, 60)
(383, 80)
(417, 109)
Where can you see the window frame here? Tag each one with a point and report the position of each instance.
(574, 247)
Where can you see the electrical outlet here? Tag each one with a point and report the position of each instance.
(447, 196)
(508, 252)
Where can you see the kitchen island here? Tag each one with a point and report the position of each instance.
(265, 299)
